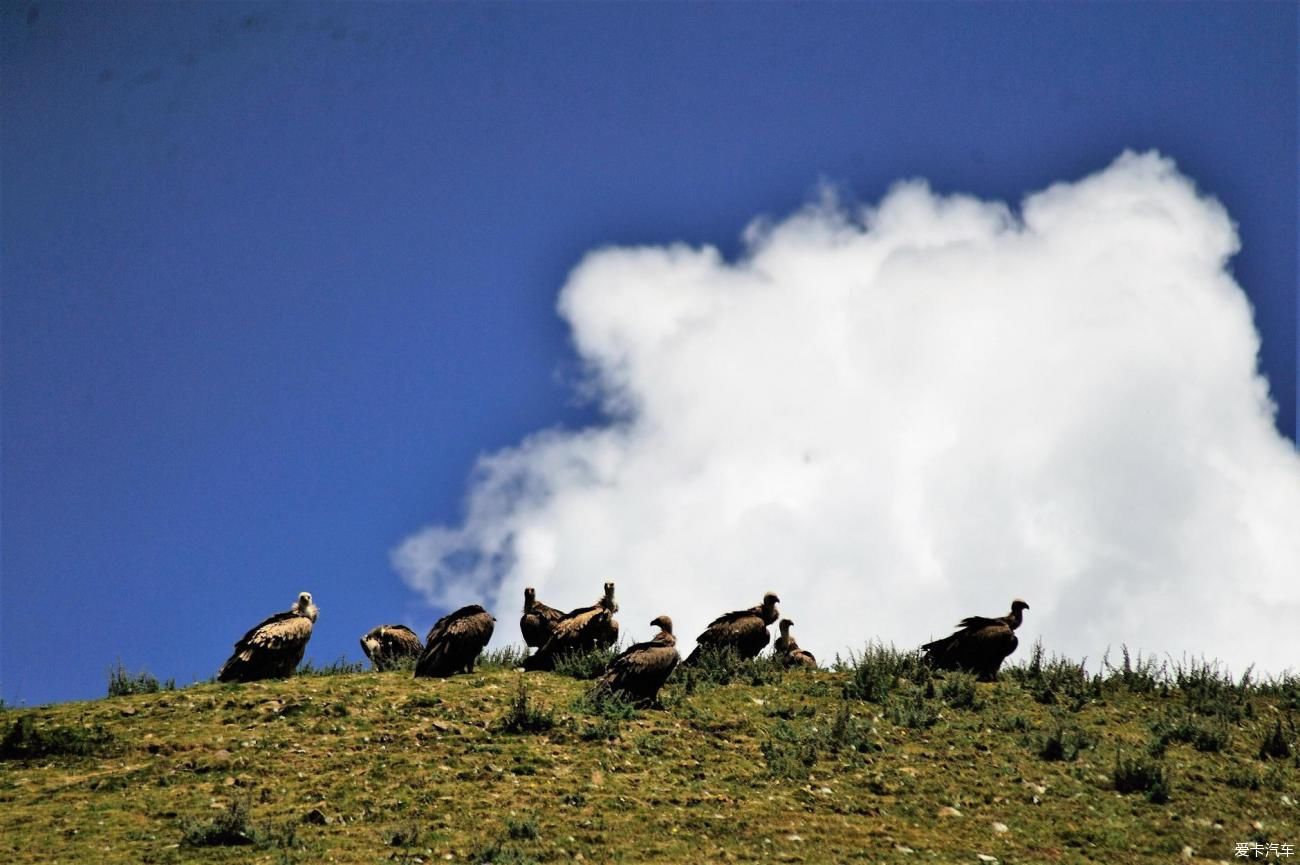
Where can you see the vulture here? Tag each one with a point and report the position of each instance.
(579, 630)
(979, 645)
(744, 630)
(538, 620)
(454, 641)
(274, 648)
(641, 670)
(388, 644)
(787, 651)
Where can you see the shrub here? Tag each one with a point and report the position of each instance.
(879, 670)
(340, 667)
(958, 691)
(850, 733)
(1244, 778)
(1210, 690)
(523, 829)
(1207, 738)
(1275, 745)
(1056, 680)
(523, 717)
(1140, 677)
(791, 752)
(230, 828)
(1138, 775)
(1063, 743)
(505, 658)
(906, 707)
(584, 665)
(122, 683)
(722, 665)
(25, 741)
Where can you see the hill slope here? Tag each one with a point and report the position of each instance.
(374, 767)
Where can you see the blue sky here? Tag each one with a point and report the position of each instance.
(275, 275)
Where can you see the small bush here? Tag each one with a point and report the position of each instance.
(1063, 743)
(25, 741)
(498, 853)
(1210, 690)
(523, 717)
(1275, 745)
(1209, 738)
(340, 667)
(1139, 775)
(505, 658)
(791, 752)
(522, 829)
(958, 691)
(1056, 680)
(722, 665)
(1244, 778)
(230, 828)
(906, 707)
(122, 683)
(605, 704)
(879, 670)
(850, 733)
(1142, 676)
(584, 665)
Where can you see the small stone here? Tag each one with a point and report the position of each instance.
(793, 838)
(902, 849)
(1001, 827)
(1286, 800)
(128, 711)
(984, 857)
(1188, 852)
(442, 726)
(949, 811)
(1259, 827)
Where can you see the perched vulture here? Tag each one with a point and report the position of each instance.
(273, 649)
(641, 670)
(388, 644)
(580, 630)
(744, 630)
(538, 619)
(787, 651)
(454, 641)
(979, 645)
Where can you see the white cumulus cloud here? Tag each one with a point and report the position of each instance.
(899, 415)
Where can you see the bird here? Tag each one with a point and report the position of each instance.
(386, 645)
(743, 630)
(979, 645)
(274, 648)
(787, 650)
(579, 630)
(538, 620)
(454, 641)
(641, 670)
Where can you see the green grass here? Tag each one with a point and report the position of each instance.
(743, 762)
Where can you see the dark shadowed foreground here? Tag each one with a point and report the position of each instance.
(879, 761)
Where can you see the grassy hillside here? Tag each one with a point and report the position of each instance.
(874, 762)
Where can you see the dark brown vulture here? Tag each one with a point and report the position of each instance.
(538, 620)
(274, 648)
(787, 651)
(580, 630)
(386, 645)
(979, 646)
(641, 670)
(454, 641)
(743, 630)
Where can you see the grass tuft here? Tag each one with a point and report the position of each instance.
(122, 683)
(25, 741)
(340, 667)
(1275, 745)
(879, 670)
(524, 717)
(586, 664)
(505, 658)
(230, 828)
(1141, 775)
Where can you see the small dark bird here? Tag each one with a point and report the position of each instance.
(641, 670)
(454, 642)
(743, 630)
(387, 645)
(580, 630)
(274, 648)
(979, 646)
(538, 620)
(787, 651)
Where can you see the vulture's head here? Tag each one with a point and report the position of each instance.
(1017, 605)
(786, 625)
(608, 601)
(530, 596)
(771, 600)
(304, 606)
(663, 623)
